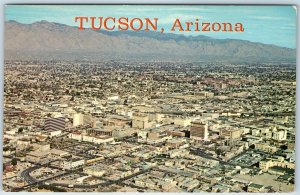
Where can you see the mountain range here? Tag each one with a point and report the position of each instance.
(53, 41)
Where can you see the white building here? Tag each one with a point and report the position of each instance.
(72, 163)
(97, 139)
(82, 119)
(76, 135)
(279, 135)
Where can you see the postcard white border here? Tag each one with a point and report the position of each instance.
(191, 2)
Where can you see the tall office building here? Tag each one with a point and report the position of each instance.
(199, 130)
(52, 124)
(230, 135)
(82, 119)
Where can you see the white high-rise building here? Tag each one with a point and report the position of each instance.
(82, 119)
(199, 130)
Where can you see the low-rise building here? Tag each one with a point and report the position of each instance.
(94, 171)
(266, 147)
(279, 162)
(70, 163)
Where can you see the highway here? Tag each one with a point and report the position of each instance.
(31, 181)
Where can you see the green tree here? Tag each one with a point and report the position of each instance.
(20, 130)
(14, 161)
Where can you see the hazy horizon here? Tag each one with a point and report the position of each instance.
(156, 32)
(275, 25)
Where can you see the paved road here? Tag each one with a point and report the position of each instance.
(33, 182)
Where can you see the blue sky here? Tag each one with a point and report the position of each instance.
(266, 24)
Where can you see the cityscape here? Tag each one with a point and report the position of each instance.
(148, 126)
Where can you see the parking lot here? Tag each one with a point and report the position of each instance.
(248, 159)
